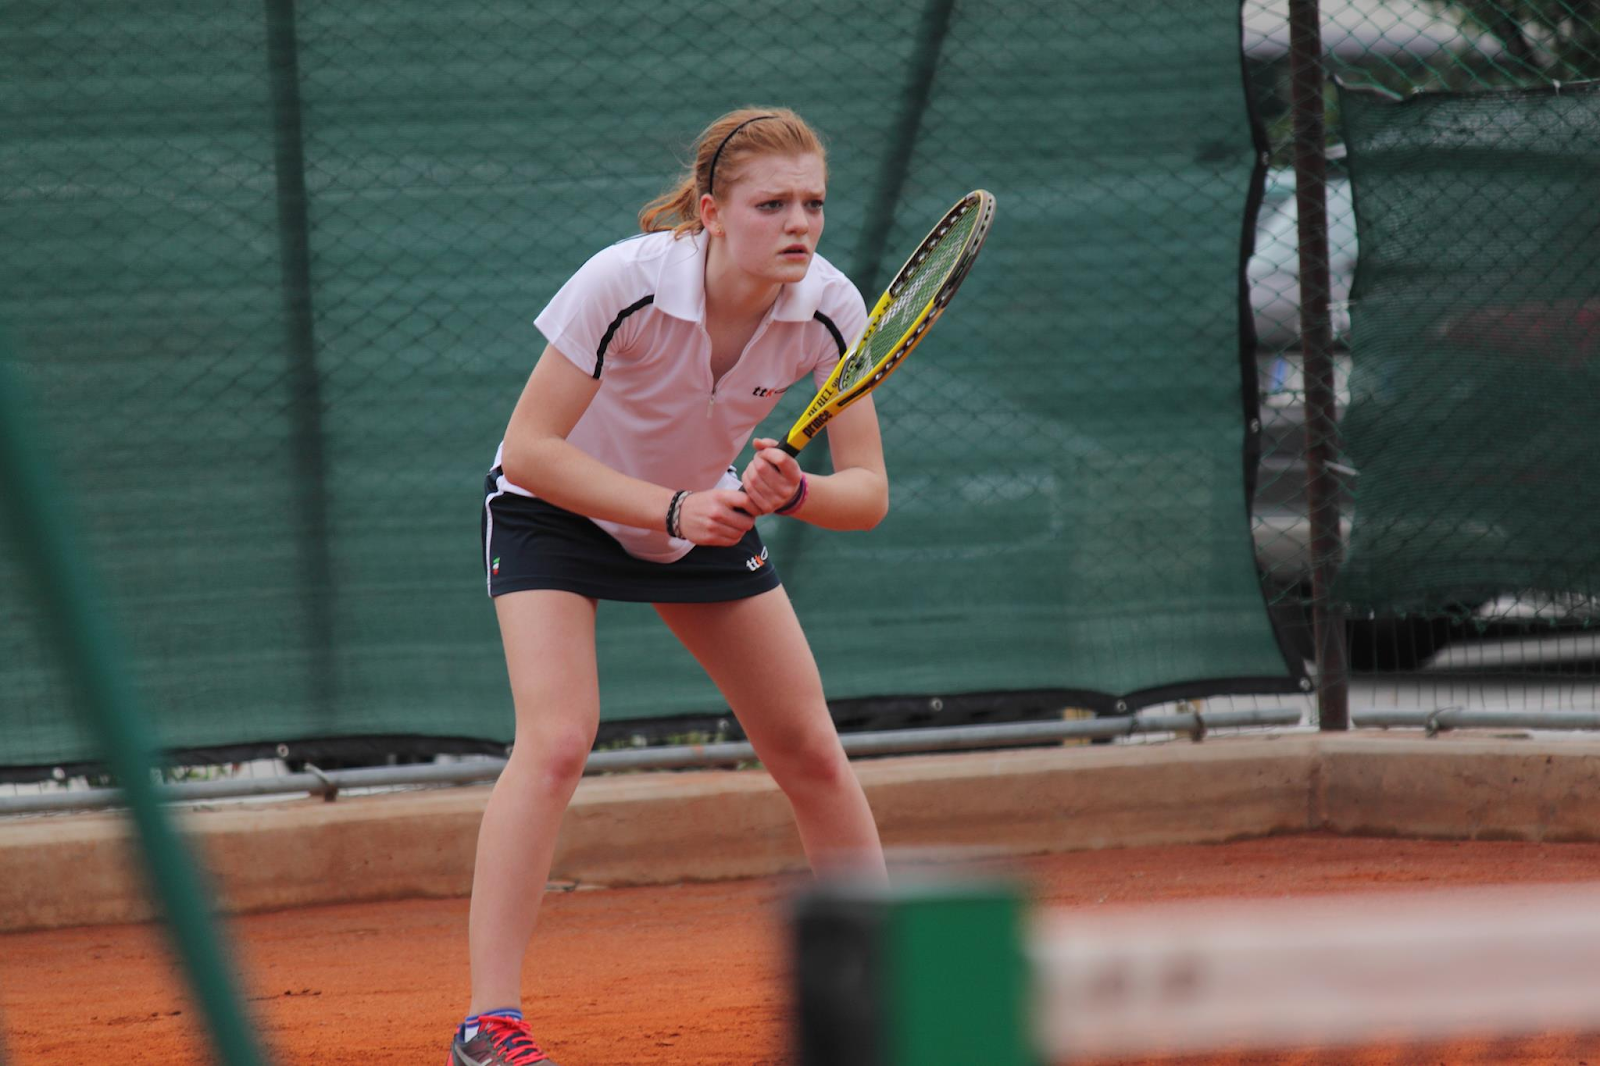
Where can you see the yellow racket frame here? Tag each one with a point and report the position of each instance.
(830, 400)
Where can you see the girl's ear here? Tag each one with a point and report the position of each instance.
(708, 214)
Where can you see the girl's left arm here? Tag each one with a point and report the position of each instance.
(854, 496)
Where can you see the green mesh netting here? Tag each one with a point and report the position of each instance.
(1475, 336)
(277, 316)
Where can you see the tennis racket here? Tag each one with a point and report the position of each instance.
(914, 300)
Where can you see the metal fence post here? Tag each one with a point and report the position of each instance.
(1316, 338)
(305, 395)
(894, 166)
(896, 162)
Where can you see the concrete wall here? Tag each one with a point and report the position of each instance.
(666, 827)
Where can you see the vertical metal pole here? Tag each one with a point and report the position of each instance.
(305, 389)
(895, 165)
(1316, 339)
(902, 139)
(92, 660)
(874, 984)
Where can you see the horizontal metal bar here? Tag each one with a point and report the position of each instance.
(1461, 718)
(908, 741)
(325, 784)
(956, 737)
(856, 745)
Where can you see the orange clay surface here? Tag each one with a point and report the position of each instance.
(687, 974)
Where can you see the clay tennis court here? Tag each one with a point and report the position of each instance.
(688, 973)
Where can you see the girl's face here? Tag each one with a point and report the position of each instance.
(770, 219)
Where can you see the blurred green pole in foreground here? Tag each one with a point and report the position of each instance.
(929, 974)
(30, 500)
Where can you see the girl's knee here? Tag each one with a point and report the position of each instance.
(553, 758)
(815, 765)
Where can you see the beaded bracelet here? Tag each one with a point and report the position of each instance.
(796, 500)
(673, 513)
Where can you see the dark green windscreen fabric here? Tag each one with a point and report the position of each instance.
(141, 283)
(1065, 448)
(1475, 338)
(282, 484)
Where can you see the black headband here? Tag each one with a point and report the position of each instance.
(711, 178)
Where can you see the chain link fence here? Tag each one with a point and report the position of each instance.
(275, 288)
(276, 270)
(1461, 135)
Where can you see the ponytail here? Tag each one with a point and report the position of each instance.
(677, 209)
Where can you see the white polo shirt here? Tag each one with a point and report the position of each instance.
(634, 317)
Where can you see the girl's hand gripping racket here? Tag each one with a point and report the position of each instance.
(914, 300)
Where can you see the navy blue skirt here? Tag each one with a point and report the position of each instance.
(531, 544)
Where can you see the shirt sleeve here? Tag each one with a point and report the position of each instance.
(843, 306)
(582, 319)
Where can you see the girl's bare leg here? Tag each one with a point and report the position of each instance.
(756, 653)
(550, 655)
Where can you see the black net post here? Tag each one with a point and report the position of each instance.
(1322, 494)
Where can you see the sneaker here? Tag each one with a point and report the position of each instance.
(498, 1042)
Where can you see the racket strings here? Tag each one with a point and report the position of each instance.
(918, 286)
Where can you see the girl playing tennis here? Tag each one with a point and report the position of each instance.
(613, 482)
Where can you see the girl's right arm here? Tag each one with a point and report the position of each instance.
(538, 457)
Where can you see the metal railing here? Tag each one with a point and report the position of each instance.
(328, 784)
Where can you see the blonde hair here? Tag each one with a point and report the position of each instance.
(720, 153)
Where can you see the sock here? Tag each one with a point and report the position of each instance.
(469, 1028)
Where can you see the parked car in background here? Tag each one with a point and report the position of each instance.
(1279, 514)
(1274, 270)
(1280, 526)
